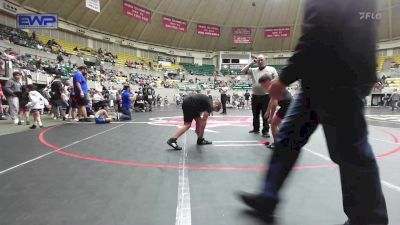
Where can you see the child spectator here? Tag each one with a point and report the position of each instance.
(23, 109)
(37, 103)
(64, 102)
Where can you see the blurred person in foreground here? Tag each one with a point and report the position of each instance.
(335, 60)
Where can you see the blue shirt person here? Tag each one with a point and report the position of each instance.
(127, 99)
(81, 98)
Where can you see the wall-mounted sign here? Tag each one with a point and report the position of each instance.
(137, 12)
(93, 4)
(277, 32)
(174, 24)
(208, 30)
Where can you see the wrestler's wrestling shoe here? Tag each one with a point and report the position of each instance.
(172, 142)
(203, 142)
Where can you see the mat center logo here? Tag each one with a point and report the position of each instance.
(212, 122)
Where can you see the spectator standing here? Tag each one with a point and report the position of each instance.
(210, 95)
(148, 93)
(178, 99)
(386, 99)
(65, 102)
(23, 109)
(259, 99)
(247, 98)
(12, 91)
(113, 97)
(105, 93)
(2, 97)
(34, 35)
(81, 96)
(56, 89)
(60, 59)
(224, 98)
(72, 108)
(395, 98)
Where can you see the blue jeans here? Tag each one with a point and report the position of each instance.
(125, 114)
(345, 128)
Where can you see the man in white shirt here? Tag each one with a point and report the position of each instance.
(259, 99)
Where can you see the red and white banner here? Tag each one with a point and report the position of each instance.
(137, 12)
(93, 4)
(174, 24)
(277, 32)
(242, 31)
(208, 30)
(241, 35)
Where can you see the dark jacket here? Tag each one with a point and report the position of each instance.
(336, 49)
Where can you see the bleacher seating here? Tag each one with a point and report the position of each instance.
(20, 37)
(393, 82)
(382, 59)
(198, 70)
(122, 57)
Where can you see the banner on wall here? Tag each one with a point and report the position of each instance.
(277, 32)
(208, 30)
(174, 24)
(137, 12)
(241, 35)
(93, 4)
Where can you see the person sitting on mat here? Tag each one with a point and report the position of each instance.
(101, 116)
(274, 119)
(193, 106)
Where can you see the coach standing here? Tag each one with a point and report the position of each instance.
(81, 96)
(335, 61)
(259, 98)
